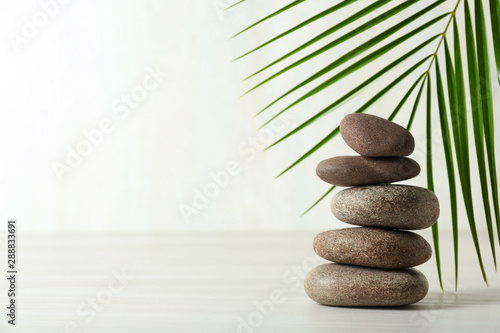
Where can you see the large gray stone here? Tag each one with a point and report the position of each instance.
(344, 285)
(389, 206)
(373, 247)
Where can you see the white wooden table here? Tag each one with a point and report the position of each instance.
(220, 282)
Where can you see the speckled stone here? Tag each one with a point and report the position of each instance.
(360, 170)
(373, 136)
(389, 206)
(373, 247)
(344, 285)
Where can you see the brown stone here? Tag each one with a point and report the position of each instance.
(389, 206)
(360, 170)
(373, 136)
(344, 285)
(373, 247)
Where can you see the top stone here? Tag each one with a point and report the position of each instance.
(373, 136)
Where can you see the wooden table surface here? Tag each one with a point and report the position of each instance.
(220, 282)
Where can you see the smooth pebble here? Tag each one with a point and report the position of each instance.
(344, 285)
(373, 136)
(388, 206)
(373, 247)
(360, 170)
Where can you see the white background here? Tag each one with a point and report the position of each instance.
(64, 80)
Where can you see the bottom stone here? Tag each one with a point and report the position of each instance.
(344, 285)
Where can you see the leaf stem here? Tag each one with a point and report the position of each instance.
(443, 35)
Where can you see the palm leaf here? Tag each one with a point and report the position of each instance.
(474, 74)
(417, 101)
(487, 109)
(362, 13)
(477, 118)
(235, 4)
(353, 92)
(430, 176)
(455, 121)
(297, 27)
(319, 200)
(477, 121)
(367, 45)
(460, 130)
(495, 28)
(405, 98)
(445, 132)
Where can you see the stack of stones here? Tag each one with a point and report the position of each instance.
(372, 263)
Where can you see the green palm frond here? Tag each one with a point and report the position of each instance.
(325, 34)
(279, 11)
(430, 173)
(495, 30)
(455, 115)
(235, 4)
(487, 108)
(456, 74)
